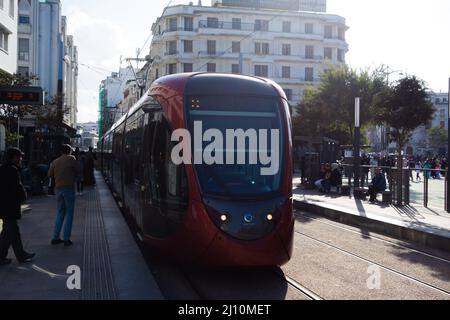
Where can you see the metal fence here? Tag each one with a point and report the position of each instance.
(420, 186)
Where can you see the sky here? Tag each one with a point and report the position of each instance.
(409, 36)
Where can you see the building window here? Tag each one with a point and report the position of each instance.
(237, 24)
(261, 70)
(188, 46)
(171, 68)
(211, 67)
(188, 24)
(1, 4)
(309, 74)
(213, 22)
(288, 93)
(261, 25)
(24, 49)
(235, 68)
(172, 24)
(309, 52)
(261, 48)
(341, 34)
(188, 67)
(286, 72)
(236, 47)
(309, 28)
(23, 71)
(442, 113)
(4, 40)
(211, 46)
(286, 50)
(443, 124)
(11, 8)
(328, 32)
(171, 47)
(157, 74)
(286, 26)
(328, 53)
(341, 55)
(437, 101)
(24, 19)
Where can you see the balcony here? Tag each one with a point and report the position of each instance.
(238, 26)
(24, 28)
(171, 53)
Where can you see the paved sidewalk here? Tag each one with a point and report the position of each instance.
(111, 263)
(415, 223)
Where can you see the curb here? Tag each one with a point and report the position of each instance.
(399, 232)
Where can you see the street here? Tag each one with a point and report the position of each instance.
(331, 262)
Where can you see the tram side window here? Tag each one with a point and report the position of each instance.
(170, 181)
(133, 145)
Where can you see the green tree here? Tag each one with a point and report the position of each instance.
(329, 109)
(437, 137)
(403, 107)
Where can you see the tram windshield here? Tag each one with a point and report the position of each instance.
(254, 116)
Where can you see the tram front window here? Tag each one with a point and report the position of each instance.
(233, 113)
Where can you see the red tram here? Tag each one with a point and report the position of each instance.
(217, 214)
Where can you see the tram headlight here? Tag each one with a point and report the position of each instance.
(225, 218)
(269, 217)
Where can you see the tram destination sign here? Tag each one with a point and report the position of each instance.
(21, 95)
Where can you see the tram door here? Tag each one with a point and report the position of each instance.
(164, 191)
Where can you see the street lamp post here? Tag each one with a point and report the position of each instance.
(356, 156)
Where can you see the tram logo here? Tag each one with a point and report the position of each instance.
(252, 148)
(248, 217)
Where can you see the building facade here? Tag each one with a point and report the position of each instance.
(8, 35)
(47, 51)
(111, 94)
(28, 38)
(419, 143)
(291, 47)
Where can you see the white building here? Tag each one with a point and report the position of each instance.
(291, 47)
(418, 145)
(8, 36)
(28, 39)
(45, 50)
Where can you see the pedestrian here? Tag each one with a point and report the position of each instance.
(12, 195)
(418, 169)
(80, 179)
(65, 171)
(378, 184)
(89, 165)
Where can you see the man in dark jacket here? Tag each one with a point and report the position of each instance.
(12, 195)
(378, 184)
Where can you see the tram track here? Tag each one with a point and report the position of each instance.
(396, 244)
(293, 283)
(371, 262)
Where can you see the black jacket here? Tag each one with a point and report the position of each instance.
(12, 192)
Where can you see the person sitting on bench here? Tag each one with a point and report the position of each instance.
(378, 185)
(336, 176)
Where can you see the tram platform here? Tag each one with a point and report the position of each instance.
(110, 263)
(415, 223)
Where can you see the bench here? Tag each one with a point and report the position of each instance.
(387, 196)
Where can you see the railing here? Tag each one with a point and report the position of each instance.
(410, 193)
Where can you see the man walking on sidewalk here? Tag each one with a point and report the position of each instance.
(65, 171)
(12, 195)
